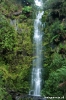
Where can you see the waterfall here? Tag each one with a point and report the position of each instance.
(14, 23)
(37, 51)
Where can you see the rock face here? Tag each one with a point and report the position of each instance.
(17, 13)
(18, 96)
(63, 87)
(13, 14)
(62, 84)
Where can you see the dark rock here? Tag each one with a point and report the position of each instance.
(17, 13)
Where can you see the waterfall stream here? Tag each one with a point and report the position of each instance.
(37, 52)
(14, 23)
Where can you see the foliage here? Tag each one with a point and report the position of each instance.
(52, 4)
(54, 42)
(27, 9)
(6, 36)
(15, 50)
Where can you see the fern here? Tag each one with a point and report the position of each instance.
(62, 72)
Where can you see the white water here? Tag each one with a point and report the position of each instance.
(14, 23)
(37, 41)
(38, 3)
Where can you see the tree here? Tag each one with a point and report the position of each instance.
(54, 43)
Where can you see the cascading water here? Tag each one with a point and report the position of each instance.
(37, 41)
(14, 23)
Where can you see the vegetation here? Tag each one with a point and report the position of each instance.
(16, 31)
(55, 49)
(15, 49)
